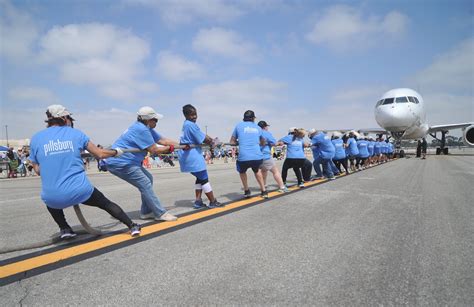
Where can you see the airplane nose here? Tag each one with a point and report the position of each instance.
(393, 118)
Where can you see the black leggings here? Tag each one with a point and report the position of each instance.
(296, 164)
(97, 199)
(342, 162)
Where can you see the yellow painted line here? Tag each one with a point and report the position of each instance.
(53, 257)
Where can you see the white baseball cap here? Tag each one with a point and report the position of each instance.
(57, 111)
(291, 130)
(148, 113)
(311, 131)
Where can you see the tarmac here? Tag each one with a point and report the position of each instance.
(400, 233)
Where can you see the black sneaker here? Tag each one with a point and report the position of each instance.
(215, 204)
(247, 193)
(264, 194)
(67, 233)
(135, 230)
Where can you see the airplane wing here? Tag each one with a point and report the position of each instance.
(366, 131)
(439, 128)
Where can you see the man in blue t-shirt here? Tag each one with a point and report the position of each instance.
(249, 137)
(192, 161)
(326, 150)
(56, 155)
(141, 135)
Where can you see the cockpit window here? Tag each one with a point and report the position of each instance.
(416, 99)
(379, 103)
(412, 99)
(401, 100)
(388, 101)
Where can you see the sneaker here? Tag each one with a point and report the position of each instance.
(166, 217)
(332, 178)
(301, 185)
(147, 216)
(264, 194)
(135, 230)
(198, 204)
(67, 233)
(318, 178)
(283, 190)
(247, 193)
(215, 204)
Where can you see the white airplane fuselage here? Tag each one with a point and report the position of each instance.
(401, 111)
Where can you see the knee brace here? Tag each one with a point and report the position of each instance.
(206, 188)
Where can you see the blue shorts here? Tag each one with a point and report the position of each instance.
(243, 166)
(201, 176)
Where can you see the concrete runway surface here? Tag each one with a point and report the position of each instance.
(401, 233)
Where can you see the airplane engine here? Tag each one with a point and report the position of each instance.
(468, 136)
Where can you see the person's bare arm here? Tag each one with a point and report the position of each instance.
(101, 153)
(167, 142)
(159, 150)
(233, 141)
(36, 167)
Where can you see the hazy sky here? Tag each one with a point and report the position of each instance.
(311, 64)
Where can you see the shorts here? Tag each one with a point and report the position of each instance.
(201, 176)
(267, 164)
(243, 166)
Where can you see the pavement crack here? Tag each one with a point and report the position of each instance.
(25, 290)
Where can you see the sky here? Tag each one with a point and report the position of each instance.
(310, 64)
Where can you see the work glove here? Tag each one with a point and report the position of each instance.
(119, 152)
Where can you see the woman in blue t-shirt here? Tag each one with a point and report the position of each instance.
(352, 151)
(192, 161)
(141, 135)
(295, 156)
(56, 155)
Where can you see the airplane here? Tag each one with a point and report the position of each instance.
(401, 112)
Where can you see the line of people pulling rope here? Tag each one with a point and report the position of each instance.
(56, 157)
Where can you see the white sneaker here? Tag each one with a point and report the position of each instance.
(147, 216)
(166, 217)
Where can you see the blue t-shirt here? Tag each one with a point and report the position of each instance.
(383, 147)
(138, 135)
(370, 147)
(191, 160)
(294, 148)
(323, 142)
(390, 148)
(248, 135)
(363, 147)
(58, 152)
(377, 148)
(340, 152)
(269, 143)
(352, 149)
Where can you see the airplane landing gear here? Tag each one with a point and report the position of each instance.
(442, 149)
